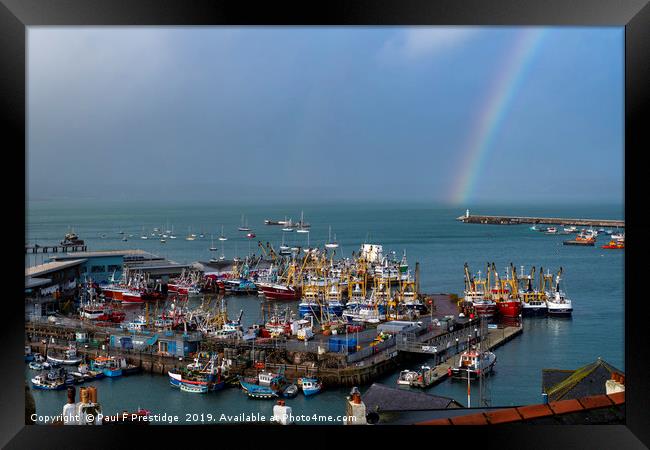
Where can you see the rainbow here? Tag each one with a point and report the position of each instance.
(494, 110)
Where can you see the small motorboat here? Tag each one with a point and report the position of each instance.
(250, 235)
(35, 365)
(42, 382)
(406, 377)
(551, 230)
(290, 391)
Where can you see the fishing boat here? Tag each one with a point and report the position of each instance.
(92, 311)
(132, 296)
(556, 301)
(71, 239)
(533, 301)
(42, 382)
(278, 324)
(614, 244)
(309, 386)
(508, 304)
(367, 312)
(205, 374)
(85, 373)
(241, 286)
(275, 291)
(267, 385)
(244, 224)
(68, 357)
(473, 363)
(310, 303)
(618, 236)
(333, 299)
(408, 296)
(108, 365)
(356, 295)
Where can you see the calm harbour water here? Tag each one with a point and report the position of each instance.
(593, 279)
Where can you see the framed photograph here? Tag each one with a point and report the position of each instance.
(358, 214)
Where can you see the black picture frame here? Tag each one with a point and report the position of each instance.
(634, 15)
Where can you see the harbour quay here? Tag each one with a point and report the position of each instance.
(154, 354)
(518, 220)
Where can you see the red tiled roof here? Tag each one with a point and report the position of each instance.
(524, 413)
(534, 411)
(595, 401)
(444, 421)
(472, 419)
(618, 398)
(503, 416)
(565, 406)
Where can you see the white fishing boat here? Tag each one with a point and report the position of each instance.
(473, 364)
(556, 301)
(68, 357)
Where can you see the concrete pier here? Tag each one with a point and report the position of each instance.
(517, 220)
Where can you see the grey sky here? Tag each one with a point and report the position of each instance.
(328, 113)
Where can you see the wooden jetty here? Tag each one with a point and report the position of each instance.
(517, 220)
(54, 248)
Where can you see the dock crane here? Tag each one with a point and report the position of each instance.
(469, 279)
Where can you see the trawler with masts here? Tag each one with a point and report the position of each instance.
(557, 302)
(533, 301)
(475, 296)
